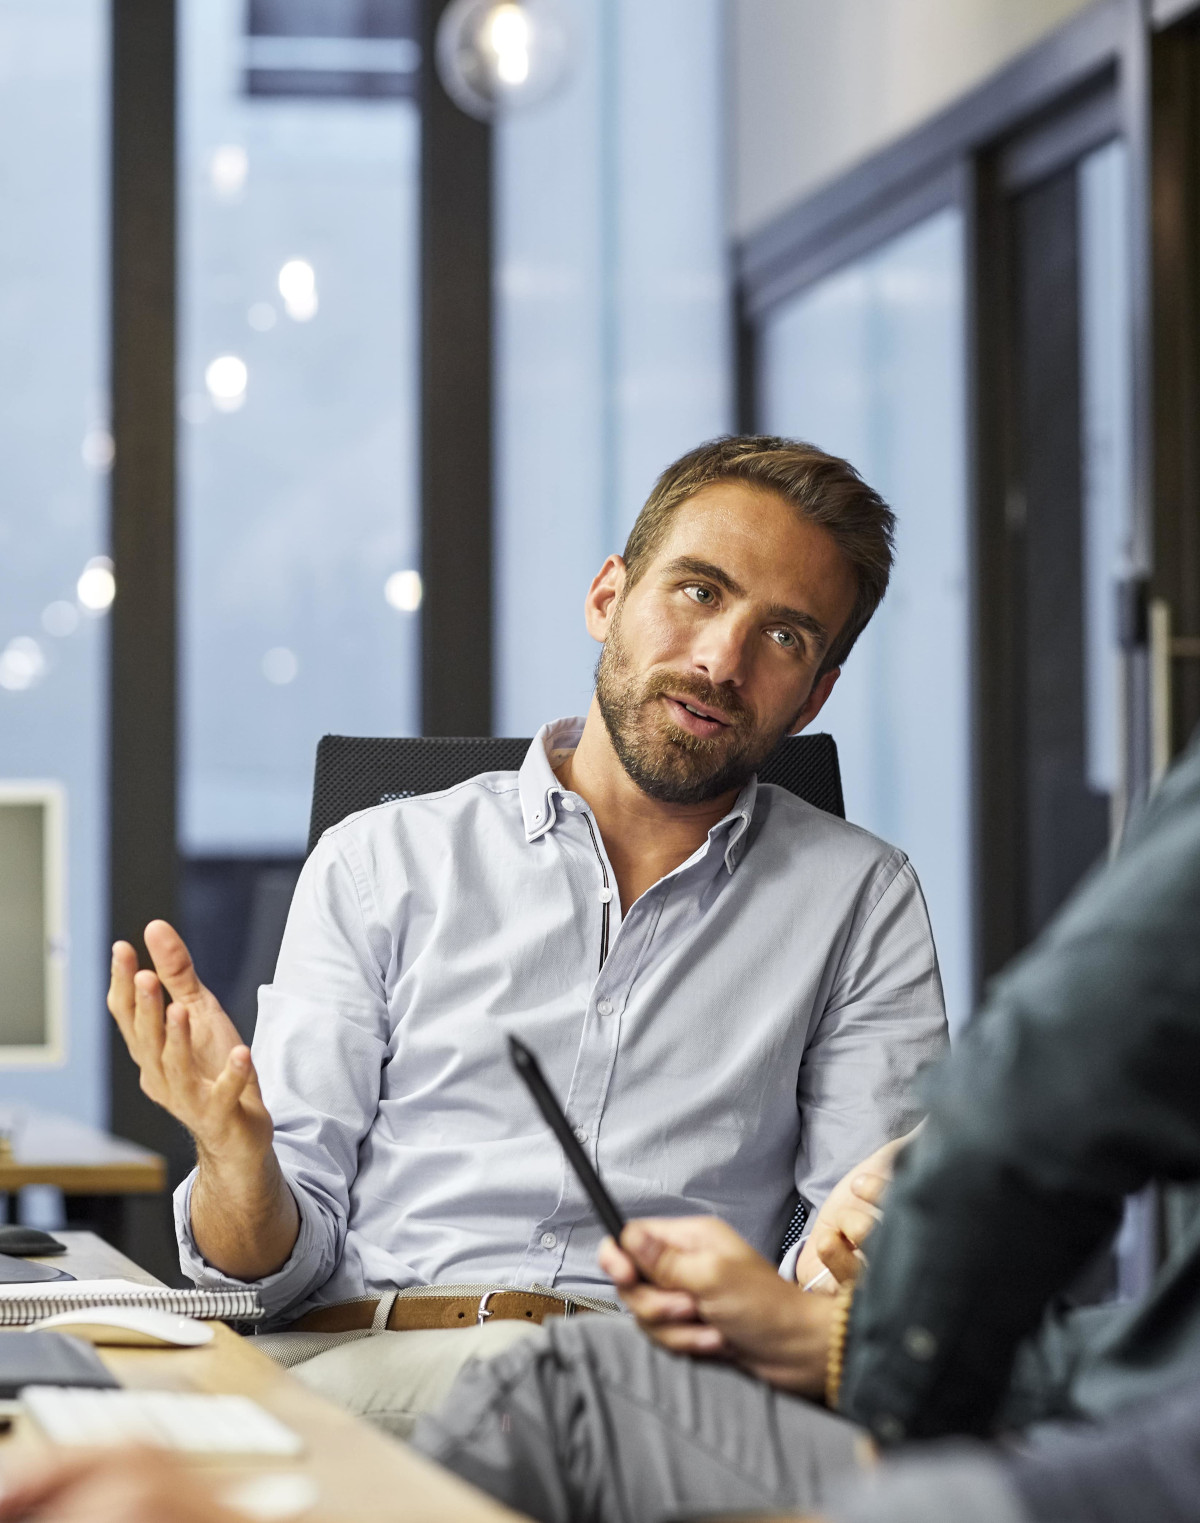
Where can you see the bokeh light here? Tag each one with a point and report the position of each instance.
(403, 590)
(97, 450)
(280, 665)
(22, 664)
(97, 585)
(226, 379)
(495, 56)
(298, 287)
(60, 619)
(228, 168)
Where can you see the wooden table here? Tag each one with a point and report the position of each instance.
(96, 1171)
(360, 1475)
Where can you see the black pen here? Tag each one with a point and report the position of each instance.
(535, 1081)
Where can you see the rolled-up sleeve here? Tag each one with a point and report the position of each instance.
(319, 1048)
(884, 1022)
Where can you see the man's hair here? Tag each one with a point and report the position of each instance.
(822, 488)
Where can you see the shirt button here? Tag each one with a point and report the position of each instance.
(605, 895)
(890, 1429)
(604, 1007)
(568, 803)
(549, 1240)
(581, 1134)
(919, 1343)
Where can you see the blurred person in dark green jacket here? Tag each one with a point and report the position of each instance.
(1076, 1084)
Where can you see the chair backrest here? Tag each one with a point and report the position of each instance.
(355, 772)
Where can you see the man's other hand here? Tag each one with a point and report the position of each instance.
(846, 1220)
(193, 1062)
(116, 1486)
(703, 1290)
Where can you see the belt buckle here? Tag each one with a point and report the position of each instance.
(484, 1311)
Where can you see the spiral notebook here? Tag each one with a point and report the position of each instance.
(22, 1304)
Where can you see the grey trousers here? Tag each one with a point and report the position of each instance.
(590, 1422)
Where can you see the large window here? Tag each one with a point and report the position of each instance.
(300, 560)
(613, 335)
(55, 581)
(299, 528)
(868, 363)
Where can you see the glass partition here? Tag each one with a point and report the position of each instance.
(613, 351)
(300, 561)
(300, 570)
(869, 363)
(56, 584)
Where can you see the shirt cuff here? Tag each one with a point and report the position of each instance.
(968, 1486)
(787, 1264)
(304, 1269)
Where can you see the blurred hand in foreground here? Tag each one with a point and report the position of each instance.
(112, 1486)
(703, 1290)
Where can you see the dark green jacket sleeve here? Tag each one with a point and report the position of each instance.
(1077, 1082)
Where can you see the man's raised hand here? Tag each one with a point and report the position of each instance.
(192, 1061)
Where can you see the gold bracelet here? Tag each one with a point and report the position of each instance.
(837, 1346)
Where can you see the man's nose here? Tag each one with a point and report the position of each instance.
(721, 652)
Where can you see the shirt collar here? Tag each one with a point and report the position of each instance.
(536, 780)
(539, 788)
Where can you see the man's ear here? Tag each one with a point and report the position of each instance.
(603, 596)
(815, 701)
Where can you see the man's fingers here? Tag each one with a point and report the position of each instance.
(644, 1247)
(617, 1264)
(178, 1061)
(856, 1225)
(120, 987)
(172, 962)
(652, 1306)
(870, 1188)
(837, 1255)
(689, 1338)
(673, 1265)
(231, 1081)
(33, 1482)
(148, 1032)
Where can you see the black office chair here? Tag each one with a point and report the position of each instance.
(356, 772)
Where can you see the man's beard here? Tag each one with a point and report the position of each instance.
(665, 761)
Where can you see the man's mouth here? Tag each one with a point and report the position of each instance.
(695, 718)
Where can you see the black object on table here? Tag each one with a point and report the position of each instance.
(20, 1272)
(49, 1359)
(21, 1240)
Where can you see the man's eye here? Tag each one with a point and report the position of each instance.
(785, 638)
(700, 594)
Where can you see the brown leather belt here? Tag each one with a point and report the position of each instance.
(411, 1313)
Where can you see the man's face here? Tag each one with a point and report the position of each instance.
(710, 657)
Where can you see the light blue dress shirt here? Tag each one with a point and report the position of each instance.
(751, 1027)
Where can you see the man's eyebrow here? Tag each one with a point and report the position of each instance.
(691, 565)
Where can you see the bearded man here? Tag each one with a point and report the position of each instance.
(733, 991)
